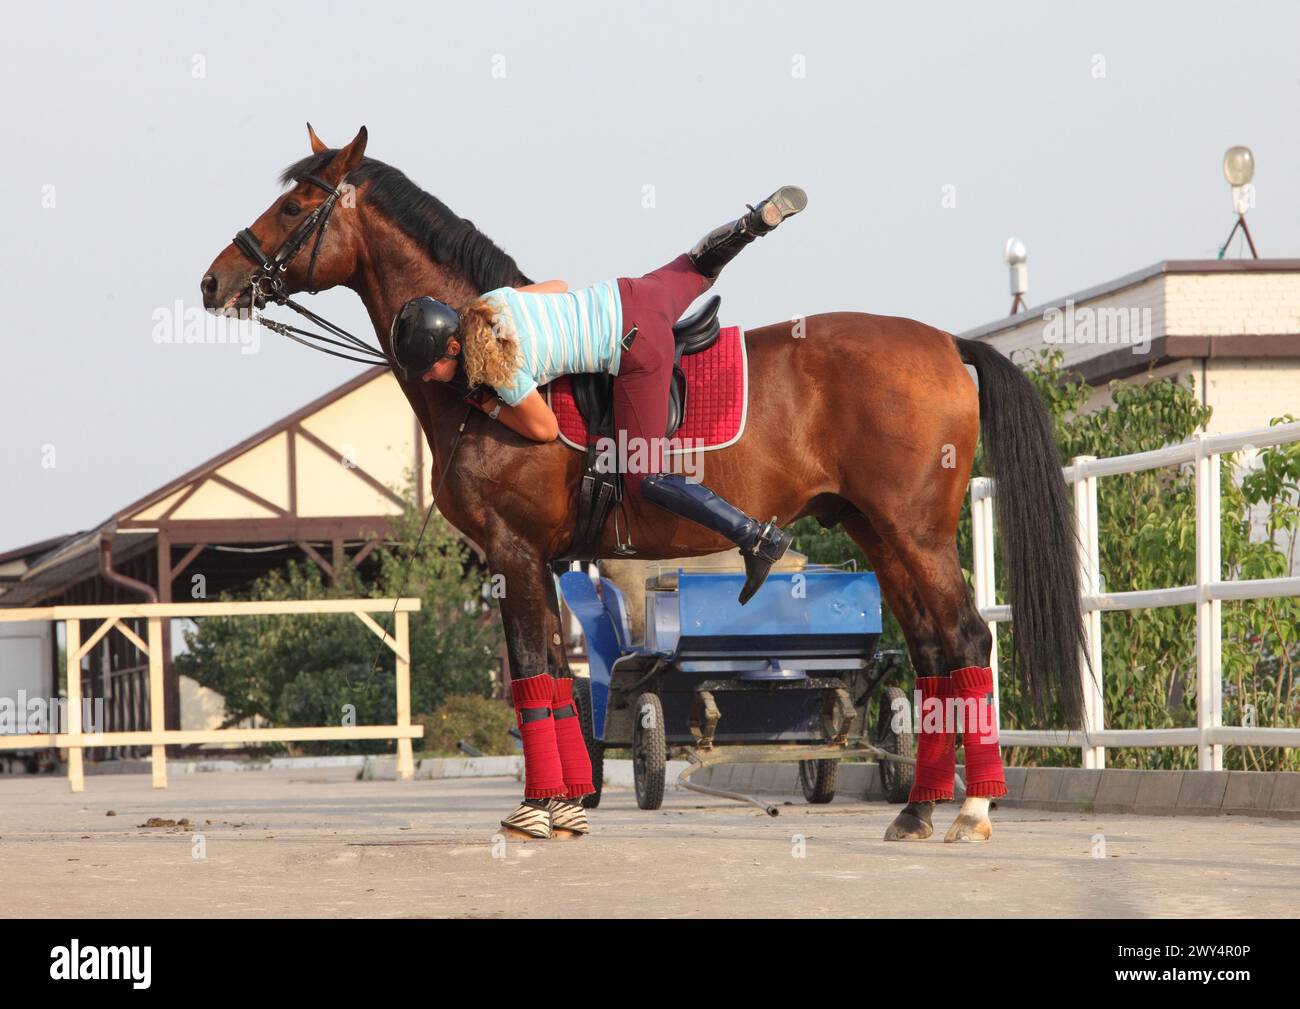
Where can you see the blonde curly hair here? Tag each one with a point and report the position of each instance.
(491, 350)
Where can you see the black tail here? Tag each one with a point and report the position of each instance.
(1035, 520)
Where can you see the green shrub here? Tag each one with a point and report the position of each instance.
(481, 722)
(322, 669)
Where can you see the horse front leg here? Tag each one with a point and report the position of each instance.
(557, 656)
(557, 768)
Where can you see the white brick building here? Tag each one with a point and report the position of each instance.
(1231, 326)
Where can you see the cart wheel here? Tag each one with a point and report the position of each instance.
(895, 777)
(817, 779)
(595, 748)
(649, 750)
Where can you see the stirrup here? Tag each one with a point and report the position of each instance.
(530, 822)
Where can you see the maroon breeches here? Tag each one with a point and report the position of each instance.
(652, 303)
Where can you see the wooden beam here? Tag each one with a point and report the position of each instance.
(330, 450)
(223, 608)
(405, 755)
(321, 562)
(72, 645)
(93, 640)
(179, 569)
(253, 496)
(267, 530)
(394, 644)
(364, 552)
(291, 461)
(131, 636)
(189, 493)
(157, 701)
(194, 737)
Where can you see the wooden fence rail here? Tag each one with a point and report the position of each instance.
(112, 617)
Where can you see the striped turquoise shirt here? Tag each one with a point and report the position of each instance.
(560, 334)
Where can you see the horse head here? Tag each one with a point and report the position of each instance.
(309, 237)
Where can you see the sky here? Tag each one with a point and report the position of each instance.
(589, 140)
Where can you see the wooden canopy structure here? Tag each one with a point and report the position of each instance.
(324, 483)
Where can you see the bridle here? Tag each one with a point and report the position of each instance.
(266, 282)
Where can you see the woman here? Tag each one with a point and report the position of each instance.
(517, 339)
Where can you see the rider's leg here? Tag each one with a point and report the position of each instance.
(652, 303)
(721, 245)
(668, 290)
(658, 299)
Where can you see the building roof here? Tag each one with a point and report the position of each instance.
(1240, 308)
(334, 469)
(1165, 267)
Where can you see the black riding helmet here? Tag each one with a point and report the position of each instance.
(420, 334)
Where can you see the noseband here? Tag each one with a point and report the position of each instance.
(267, 281)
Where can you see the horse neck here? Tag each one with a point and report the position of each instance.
(391, 270)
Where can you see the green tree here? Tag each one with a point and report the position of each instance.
(325, 669)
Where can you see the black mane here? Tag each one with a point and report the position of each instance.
(449, 239)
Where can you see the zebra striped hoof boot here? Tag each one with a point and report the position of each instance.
(568, 819)
(530, 822)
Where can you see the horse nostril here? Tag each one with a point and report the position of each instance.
(208, 285)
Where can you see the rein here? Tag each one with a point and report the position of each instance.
(267, 283)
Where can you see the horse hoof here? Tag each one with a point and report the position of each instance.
(559, 834)
(514, 834)
(971, 829)
(908, 827)
(530, 822)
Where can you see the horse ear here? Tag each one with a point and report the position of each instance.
(349, 157)
(317, 144)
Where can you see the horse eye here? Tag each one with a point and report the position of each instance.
(291, 209)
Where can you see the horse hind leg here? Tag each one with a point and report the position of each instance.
(966, 642)
(915, 821)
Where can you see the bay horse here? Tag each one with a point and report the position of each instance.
(867, 421)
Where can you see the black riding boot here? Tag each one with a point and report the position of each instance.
(761, 543)
(721, 245)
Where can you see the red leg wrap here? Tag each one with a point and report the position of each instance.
(935, 748)
(979, 733)
(574, 759)
(543, 777)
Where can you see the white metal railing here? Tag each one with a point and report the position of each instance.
(157, 615)
(1210, 735)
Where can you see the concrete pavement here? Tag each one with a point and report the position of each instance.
(321, 843)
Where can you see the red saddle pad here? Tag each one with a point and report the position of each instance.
(717, 397)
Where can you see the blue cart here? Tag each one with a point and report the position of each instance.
(787, 677)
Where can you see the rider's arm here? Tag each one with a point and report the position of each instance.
(547, 287)
(531, 417)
